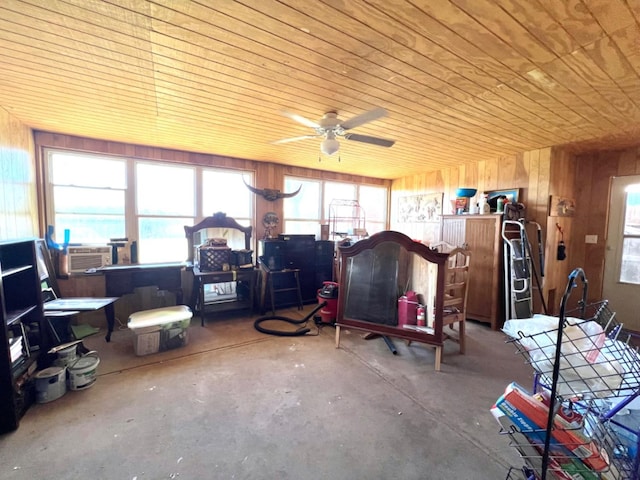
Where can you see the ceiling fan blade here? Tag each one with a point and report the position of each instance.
(294, 139)
(301, 119)
(363, 118)
(381, 142)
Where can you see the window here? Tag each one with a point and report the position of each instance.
(165, 204)
(98, 198)
(302, 213)
(225, 191)
(88, 196)
(337, 191)
(630, 266)
(305, 212)
(373, 201)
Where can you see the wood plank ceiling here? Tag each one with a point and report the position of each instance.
(462, 80)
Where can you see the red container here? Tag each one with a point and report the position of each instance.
(328, 293)
(408, 309)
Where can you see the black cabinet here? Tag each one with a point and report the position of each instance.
(325, 250)
(299, 253)
(299, 250)
(324, 261)
(23, 337)
(313, 258)
(271, 253)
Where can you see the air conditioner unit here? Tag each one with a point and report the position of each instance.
(82, 258)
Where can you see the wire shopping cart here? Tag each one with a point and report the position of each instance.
(576, 422)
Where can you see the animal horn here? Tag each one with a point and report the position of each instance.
(289, 195)
(255, 190)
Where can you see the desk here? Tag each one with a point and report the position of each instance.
(123, 279)
(244, 277)
(85, 304)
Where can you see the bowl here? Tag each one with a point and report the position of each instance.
(466, 192)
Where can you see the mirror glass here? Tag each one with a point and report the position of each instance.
(235, 238)
(376, 278)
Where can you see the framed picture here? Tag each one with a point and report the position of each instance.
(425, 208)
(560, 206)
(493, 195)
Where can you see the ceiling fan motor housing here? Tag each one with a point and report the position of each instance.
(329, 121)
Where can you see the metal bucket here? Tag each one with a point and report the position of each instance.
(50, 384)
(82, 373)
(66, 356)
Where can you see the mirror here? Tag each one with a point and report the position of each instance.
(376, 278)
(380, 269)
(238, 237)
(377, 271)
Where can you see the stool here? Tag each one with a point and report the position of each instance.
(295, 272)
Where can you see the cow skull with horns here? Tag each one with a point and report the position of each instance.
(271, 194)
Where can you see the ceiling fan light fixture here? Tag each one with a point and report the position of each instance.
(329, 146)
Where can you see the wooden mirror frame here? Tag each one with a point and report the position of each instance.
(410, 246)
(217, 220)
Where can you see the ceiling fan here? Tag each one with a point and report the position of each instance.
(330, 128)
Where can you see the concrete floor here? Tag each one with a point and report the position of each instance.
(238, 404)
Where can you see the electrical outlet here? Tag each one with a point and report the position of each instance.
(591, 239)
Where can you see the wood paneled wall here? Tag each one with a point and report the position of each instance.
(268, 175)
(537, 174)
(18, 206)
(592, 179)
(561, 182)
(529, 172)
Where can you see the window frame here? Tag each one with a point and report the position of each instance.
(49, 186)
(324, 205)
(632, 189)
(132, 215)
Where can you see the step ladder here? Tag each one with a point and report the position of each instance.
(517, 271)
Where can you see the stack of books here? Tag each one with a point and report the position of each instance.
(573, 454)
(16, 349)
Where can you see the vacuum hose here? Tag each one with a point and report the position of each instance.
(286, 333)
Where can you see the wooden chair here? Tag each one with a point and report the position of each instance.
(455, 294)
(442, 247)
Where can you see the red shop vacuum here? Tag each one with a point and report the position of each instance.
(329, 295)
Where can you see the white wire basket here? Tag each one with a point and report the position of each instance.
(597, 356)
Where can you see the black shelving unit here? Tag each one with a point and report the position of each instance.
(23, 335)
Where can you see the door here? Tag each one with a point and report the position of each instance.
(621, 284)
